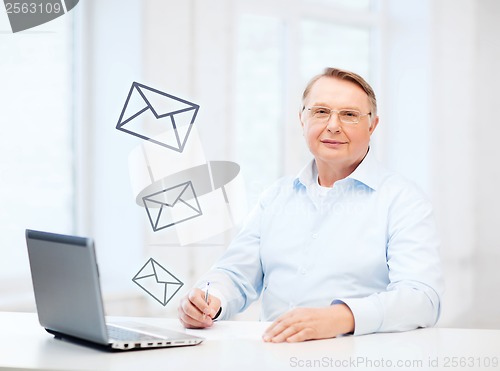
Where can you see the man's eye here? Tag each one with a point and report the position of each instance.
(350, 114)
(321, 111)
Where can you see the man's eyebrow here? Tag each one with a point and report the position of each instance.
(322, 104)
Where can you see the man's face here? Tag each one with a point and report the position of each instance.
(333, 142)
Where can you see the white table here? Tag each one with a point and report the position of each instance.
(237, 346)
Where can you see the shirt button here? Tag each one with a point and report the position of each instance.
(314, 235)
(303, 271)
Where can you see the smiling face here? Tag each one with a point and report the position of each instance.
(335, 144)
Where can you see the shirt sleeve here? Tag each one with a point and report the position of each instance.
(237, 277)
(412, 298)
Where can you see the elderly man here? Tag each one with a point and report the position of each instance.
(344, 247)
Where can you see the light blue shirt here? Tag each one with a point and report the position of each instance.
(370, 242)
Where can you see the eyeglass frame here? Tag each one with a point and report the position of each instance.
(338, 114)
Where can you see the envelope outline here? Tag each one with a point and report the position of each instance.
(181, 144)
(183, 189)
(172, 281)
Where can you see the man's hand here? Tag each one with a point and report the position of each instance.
(194, 312)
(302, 324)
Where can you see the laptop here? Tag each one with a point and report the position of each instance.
(69, 302)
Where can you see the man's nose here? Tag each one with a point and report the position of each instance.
(333, 123)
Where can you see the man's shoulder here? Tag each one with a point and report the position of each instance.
(284, 186)
(397, 185)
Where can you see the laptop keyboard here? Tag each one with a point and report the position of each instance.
(118, 333)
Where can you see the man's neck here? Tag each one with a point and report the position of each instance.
(328, 174)
(331, 172)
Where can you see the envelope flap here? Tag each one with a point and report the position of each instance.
(134, 106)
(162, 275)
(162, 103)
(169, 196)
(146, 271)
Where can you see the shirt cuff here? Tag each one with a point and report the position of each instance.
(366, 312)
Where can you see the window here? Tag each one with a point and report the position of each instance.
(331, 44)
(259, 104)
(278, 49)
(36, 156)
(347, 4)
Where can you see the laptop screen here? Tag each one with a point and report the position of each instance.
(66, 285)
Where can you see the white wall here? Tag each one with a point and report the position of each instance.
(487, 176)
(438, 98)
(453, 141)
(405, 102)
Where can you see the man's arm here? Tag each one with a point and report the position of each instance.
(412, 298)
(236, 278)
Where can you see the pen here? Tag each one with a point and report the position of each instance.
(206, 296)
(206, 291)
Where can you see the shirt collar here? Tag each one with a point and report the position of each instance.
(307, 176)
(368, 173)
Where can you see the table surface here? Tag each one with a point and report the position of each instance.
(237, 346)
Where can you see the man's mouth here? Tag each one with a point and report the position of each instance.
(332, 142)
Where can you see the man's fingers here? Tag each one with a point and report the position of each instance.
(277, 327)
(286, 333)
(213, 306)
(271, 329)
(195, 312)
(302, 335)
(191, 310)
(190, 322)
(209, 307)
(197, 298)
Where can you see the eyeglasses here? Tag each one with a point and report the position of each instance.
(346, 116)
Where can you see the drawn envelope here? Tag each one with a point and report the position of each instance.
(157, 282)
(149, 112)
(172, 206)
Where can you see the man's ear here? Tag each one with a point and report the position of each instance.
(373, 125)
(300, 118)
